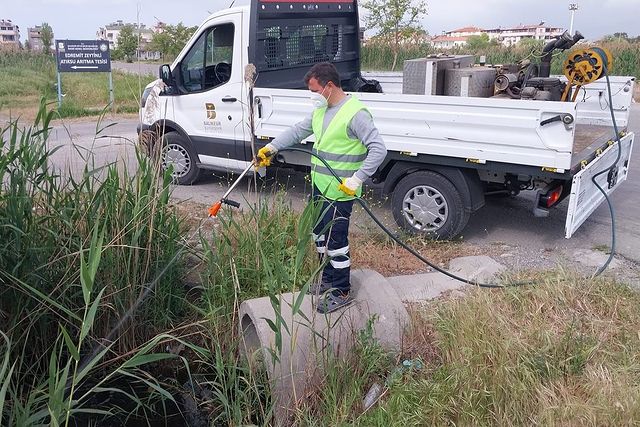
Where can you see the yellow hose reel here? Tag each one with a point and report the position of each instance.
(585, 66)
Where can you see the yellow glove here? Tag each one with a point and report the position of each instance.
(265, 155)
(349, 186)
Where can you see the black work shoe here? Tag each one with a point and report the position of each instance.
(331, 302)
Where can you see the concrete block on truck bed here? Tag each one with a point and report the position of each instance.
(475, 82)
(310, 337)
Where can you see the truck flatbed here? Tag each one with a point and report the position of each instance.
(588, 139)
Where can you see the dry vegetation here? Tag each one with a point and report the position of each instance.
(563, 352)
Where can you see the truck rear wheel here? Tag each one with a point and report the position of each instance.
(178, 154)
(425, 202)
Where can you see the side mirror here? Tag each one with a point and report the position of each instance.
(165, 75)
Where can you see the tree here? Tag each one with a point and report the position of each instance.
(170, 41)
(27, 45)
(530, 47)
(396, 20)
(478, 42)
(163, 43)
(127, 42)
(616, 37)
(46, 35)
(531, 44)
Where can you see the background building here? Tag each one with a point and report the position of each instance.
(448, 42)
(34, 36)
(508, 36)
(9, 35)
(111, 32)
(455, 38)
(465, 32)
(512, 35)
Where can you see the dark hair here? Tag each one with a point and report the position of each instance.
(324, 72)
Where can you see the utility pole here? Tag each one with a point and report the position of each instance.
(573, 7)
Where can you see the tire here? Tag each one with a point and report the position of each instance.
(427, 203)
(177, 152)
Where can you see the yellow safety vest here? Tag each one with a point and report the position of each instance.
(345, 155)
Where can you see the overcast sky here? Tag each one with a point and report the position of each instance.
(79, 19)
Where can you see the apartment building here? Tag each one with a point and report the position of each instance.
(111, 32)
(34, 36)
(508, 36)
(9, 35)
(512, 35)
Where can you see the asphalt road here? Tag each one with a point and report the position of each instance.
(505, 222)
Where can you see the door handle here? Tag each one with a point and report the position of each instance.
(229, 99)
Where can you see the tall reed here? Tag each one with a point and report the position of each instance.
(77, 251)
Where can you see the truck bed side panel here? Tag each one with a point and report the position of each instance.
(481, 130)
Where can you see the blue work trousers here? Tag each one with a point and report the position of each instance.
(331, 235)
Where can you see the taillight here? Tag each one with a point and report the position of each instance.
(552, 197)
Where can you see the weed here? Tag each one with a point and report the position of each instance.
(541, 355)
(602, 248)
(75, 255)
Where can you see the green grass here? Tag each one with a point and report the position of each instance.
(25, 78)
(379, 57)
(561, 353)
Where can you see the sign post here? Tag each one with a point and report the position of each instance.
(83, 56)
(59, 90)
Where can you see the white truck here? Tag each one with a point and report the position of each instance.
(444, 152)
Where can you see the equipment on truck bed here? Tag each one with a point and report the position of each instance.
(527, 80)
(584, 67)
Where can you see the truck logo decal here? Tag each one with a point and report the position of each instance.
(211, 110)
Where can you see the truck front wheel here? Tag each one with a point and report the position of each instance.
(178, 155)
(425, 202)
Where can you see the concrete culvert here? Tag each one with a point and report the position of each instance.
(250, 339)
(314, 336)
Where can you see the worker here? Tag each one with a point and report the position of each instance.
(347, 138)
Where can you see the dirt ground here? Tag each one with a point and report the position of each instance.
(370, 249)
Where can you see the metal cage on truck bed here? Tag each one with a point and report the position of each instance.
(288, 37)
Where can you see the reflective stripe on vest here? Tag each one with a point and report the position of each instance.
(345, 155)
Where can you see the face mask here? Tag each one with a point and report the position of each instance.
(318, 99)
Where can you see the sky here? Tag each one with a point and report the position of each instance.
(80, 19)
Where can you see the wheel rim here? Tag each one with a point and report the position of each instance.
(177, 156)
(425, 208)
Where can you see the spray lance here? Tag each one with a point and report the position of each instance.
(249, 78)
(215, 208)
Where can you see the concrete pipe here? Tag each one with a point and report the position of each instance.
(310, 337)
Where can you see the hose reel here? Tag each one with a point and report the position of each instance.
(585, 66)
